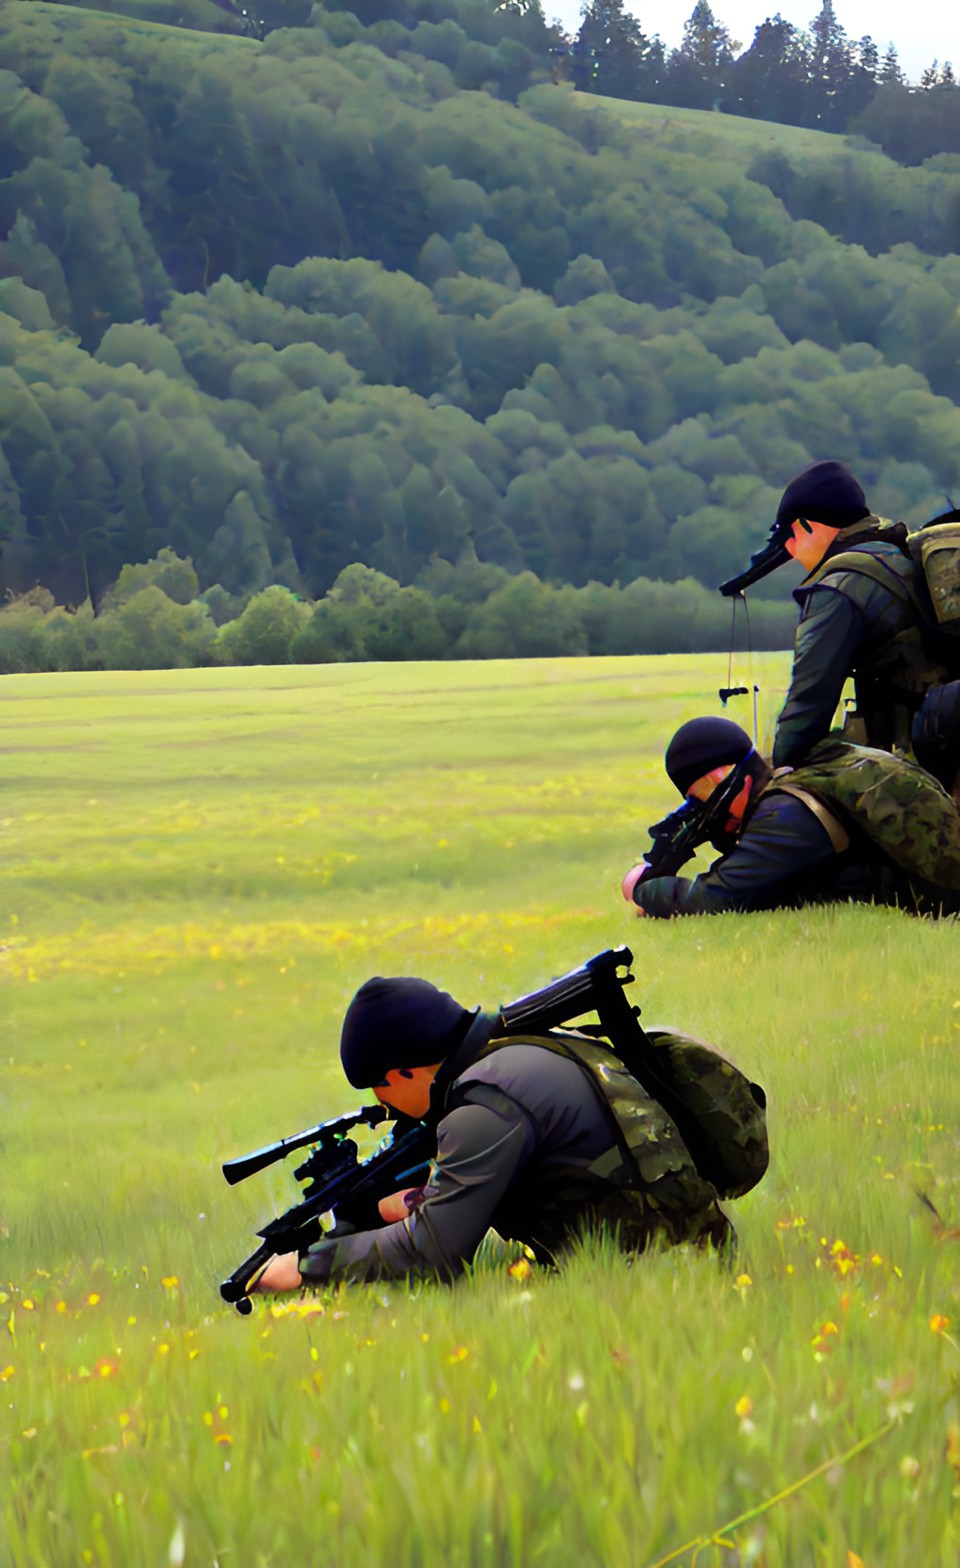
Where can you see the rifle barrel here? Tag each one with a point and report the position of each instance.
(248, 1164)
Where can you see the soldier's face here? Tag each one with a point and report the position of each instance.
(407, 1090)
(703, 788)
(809, 541)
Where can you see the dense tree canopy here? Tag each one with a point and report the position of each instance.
(288, 303)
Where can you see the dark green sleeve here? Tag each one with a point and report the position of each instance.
(830, 632)
(782, 842)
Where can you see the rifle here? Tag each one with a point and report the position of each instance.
(339, 1182)
(336, 1180)
(767, 559)
(681, 832)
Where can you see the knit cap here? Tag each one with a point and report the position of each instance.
(400, 1022)
(701, 745)
(824, 493)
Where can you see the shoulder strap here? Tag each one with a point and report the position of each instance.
(865, 566)
(837, 833)
(561, 1046)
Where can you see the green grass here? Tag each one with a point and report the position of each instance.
(737, 136)
(199, 868)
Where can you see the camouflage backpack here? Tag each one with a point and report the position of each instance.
(714, 1116)
(902, 809)
(936, 550)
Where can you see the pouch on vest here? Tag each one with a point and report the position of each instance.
(726, 1120)
(936, 548)
(897, 804)
(933, 596)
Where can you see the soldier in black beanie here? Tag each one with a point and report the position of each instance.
(802, 835)
(861, 616)
(528, 1144)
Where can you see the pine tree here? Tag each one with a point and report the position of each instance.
(890, 73)
(706, 42)
(770, 77)
(868, 58)
(700, 70)
(611, 55)
(831, 67)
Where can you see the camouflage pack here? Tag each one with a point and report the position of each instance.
(902, 809)
(717, 1134)
(934, 591)
(936, 550)
(725, 1126)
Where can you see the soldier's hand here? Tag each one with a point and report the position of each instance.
(400, 1205)
(634, 875)
(281, 1273)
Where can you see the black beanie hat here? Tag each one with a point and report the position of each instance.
(703, 744)
(398, 1023)
(824, 493)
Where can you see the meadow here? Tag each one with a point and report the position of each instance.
(199, 868)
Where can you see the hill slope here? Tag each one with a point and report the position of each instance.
(288, 304)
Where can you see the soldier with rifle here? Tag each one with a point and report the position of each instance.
(867, 611)
(506, 1121)
(850, 823)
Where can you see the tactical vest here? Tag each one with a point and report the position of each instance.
(651, 1181)
(936, 550)
(900, 808)
(925, 653)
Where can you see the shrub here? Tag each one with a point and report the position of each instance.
(264, 632)
(150, 632)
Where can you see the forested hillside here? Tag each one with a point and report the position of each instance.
(289, 303)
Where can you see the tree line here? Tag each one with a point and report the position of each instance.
(156, 617)
(817, 77)
(289, 304)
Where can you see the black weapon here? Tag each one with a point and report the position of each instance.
(679, 835)
(765, 560)
(336, 1181)
(675, 839)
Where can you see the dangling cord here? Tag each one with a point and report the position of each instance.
(733, 634)
(754, 688)
(728, 691)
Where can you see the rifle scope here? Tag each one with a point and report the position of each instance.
(326, 1133)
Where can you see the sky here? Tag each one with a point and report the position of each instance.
(927, 30)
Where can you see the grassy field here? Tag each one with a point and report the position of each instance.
(199, 868)
(740, 139)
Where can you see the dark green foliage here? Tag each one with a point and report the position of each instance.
(770, 78)
(262, 634)
(913, 126)
(467, 611)
(700, 72)
(612, 56)
(167, 571)
(282, 306)
(149, 631)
